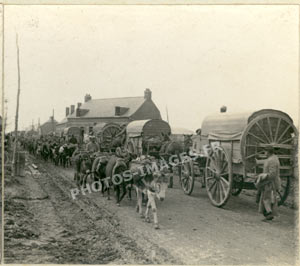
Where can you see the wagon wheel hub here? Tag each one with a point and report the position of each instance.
(217, 176)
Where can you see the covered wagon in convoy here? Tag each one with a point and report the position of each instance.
(145, 137)
(227, 148)
(68, 132)
(108, 134)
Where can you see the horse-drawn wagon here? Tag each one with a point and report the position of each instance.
(145, 137)
(228, 146)
(107, 133)
(68, 132)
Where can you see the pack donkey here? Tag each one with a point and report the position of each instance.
(151, 180)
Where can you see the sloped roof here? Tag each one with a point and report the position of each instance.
(49, 121)
(65, 120)
(106, 107)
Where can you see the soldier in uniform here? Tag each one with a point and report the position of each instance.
(92, 146)
(268, 183)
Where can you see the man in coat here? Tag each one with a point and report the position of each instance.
(92, 146)
(268, 183)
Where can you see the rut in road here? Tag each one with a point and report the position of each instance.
(63, 230)
(141, 249)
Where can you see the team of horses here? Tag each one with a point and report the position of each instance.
(123, 171)
(58, 153)
(119, 171)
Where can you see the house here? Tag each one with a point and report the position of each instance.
(117, 110)
(48, 127)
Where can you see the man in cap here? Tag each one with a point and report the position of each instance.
(268, 184)
(92, 146)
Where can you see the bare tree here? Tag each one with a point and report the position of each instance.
(17, 111)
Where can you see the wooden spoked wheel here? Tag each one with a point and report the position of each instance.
(270, 131)
(109, 133)
(187, 177)
(218, 177)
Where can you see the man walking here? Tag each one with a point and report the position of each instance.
(268, 183)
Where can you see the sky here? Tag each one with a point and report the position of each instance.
(195, 59)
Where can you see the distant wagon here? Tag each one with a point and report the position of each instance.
(68, 132)
(228, 146)
(145, 136)
(106, 133)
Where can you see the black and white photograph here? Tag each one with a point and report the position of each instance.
(150, 134)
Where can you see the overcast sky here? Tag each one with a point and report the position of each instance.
(193, 58)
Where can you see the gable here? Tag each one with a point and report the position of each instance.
(147, 110)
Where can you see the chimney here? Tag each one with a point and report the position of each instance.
(78, 109)
(223, 109)
(67, 111)
(117, 110)
(87, 98)
(77, 112)
(72, 109)
(147, 94)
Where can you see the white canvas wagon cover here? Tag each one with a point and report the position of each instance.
(71, 131)
(149, 127)
(226, 126)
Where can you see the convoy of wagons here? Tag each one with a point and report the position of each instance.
(225, 149)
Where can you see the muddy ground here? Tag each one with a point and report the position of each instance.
(44, 225)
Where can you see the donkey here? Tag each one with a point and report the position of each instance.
(152, 183)
(83, 167)
(99, 174)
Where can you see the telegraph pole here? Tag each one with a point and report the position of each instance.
(17, 110)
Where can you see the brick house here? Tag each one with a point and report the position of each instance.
(118, 110)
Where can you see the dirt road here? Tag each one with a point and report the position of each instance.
(44, 225)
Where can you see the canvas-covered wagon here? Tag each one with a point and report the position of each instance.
(68, 132)
(227, 149)
(145, 136)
